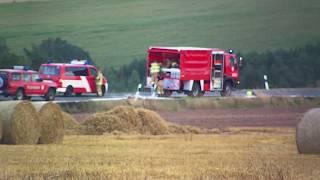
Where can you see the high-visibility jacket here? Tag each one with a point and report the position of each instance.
(155, 67)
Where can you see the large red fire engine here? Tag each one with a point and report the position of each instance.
(24, 84)
(75, 77)
(199, 70)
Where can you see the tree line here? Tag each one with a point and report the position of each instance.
(51, 49)
(292, 68)
(285, 68)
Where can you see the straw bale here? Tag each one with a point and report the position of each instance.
(128, 115)
(186, 129)
(69, 121)
(308, 133)
(20, 123)
(101, 123)
(126, 119)
(51, 122)
(152, 122)
(72, 126)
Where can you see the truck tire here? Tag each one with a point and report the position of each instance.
(167, 93)
(20, 95)
(196, 90)
(69, 91)
(51, 95)
(227, 89)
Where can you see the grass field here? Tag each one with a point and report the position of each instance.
(235, 154)
(115, 32)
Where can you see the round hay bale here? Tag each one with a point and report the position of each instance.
(51, 123)
(20, 123)
(308, 133)
(152, 122)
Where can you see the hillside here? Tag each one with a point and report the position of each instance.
(115, 32)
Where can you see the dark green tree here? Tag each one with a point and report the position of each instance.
(8, 59)
(133, 80)
(56, 50)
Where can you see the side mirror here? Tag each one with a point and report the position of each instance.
(240, 61)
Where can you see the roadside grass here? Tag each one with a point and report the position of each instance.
(116, 32)
(237, 154)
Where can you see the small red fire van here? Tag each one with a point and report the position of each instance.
(24, 84)
(76, 77)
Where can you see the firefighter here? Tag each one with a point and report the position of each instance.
(155, 72)
(99, 83)
(174, 64)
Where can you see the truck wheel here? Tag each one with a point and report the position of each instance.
(69, 91)
(78, 94)
(227, 89)
(51, 94)
(196, 91)
(20, 95)
(167, 93)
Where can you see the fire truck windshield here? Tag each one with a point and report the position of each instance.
(49, 70)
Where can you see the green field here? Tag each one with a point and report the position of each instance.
(117, 31)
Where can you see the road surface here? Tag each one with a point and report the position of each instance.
(299, 92)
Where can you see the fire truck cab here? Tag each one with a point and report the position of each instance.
(198, 70)
(77, 77)
(24, 84)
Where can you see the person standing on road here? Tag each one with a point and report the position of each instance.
(99, 82)
(154, 71)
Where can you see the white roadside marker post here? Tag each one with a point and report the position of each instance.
(138, 92)
(266, 84)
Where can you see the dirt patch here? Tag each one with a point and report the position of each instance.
(221, 118)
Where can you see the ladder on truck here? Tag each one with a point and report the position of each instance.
(217, 73)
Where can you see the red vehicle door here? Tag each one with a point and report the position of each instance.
(92, 79)
(231, 66)
(15, 82)
(31, 87)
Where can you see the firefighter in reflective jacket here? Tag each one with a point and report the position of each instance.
(155, 70)
(99, 82)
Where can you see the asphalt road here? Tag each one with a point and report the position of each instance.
(299, 92)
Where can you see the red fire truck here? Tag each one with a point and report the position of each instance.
(198, 70)
(76, 77)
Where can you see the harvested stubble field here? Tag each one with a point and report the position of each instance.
(246, 143)
(244, 153)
